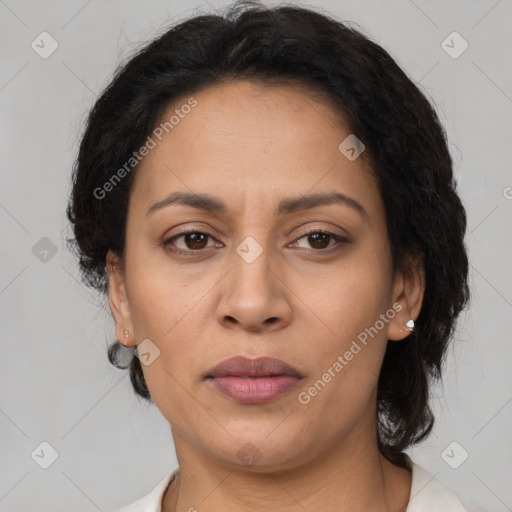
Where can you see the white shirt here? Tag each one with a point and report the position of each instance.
(427, 494)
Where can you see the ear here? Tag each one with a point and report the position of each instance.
(118, 300)
(408, 291)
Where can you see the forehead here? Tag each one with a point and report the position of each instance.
(248, 140)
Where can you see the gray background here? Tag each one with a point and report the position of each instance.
(56, 383)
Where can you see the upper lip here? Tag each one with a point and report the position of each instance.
(240, 366)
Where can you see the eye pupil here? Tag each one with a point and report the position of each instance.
(193, 237)
(315, 235)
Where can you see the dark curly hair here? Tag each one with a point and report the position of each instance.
(405, 146)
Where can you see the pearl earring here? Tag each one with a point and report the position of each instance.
(409, 324)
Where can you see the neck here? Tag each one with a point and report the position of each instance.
(353, 477)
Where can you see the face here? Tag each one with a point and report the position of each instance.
(260, 275)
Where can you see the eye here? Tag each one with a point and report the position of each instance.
(194, 242)
(319, 240)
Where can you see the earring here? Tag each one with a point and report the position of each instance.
(126, 333)
(409, 324)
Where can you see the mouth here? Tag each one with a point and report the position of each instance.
(240, 366)
(254, 390)
(253, 381)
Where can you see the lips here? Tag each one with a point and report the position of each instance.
(253, 381)
(240, 366)
(254, 390)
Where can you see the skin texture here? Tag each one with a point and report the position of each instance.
(252, 145)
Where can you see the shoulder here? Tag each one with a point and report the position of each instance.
(151, 502)
(428, 494)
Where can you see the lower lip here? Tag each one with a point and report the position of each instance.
(254, 390)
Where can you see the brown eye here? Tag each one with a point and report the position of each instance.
(193, 241)
(320, 240)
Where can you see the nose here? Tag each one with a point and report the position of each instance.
(255, 296)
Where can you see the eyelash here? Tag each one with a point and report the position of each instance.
(194, 252)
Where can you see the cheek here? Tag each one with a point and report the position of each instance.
(351, 298)
(349, 353)
(168, 306)
(165, 310)
(161, 295)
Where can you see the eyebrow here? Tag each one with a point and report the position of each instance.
(289, 205)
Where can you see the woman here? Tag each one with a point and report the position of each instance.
(269, 203)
